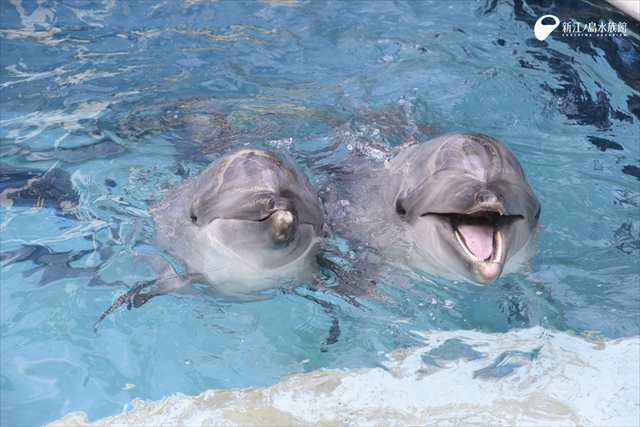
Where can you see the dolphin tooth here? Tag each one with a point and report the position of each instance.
(498, 246)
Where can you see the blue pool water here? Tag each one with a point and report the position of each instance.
(298, 77)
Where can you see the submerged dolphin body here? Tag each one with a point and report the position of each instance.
(468, 202)
(248, 217)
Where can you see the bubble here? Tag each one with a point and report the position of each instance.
(188, 362)
(449, 304)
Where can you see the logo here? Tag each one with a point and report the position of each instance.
(571, 28)
(541, 30)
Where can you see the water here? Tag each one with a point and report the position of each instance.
(312, 79)
(537, 387)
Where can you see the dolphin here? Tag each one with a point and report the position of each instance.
(468, 202)
(249, 217)
(248, 222)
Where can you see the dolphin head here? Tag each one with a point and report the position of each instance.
(258, 204)
(468, 201)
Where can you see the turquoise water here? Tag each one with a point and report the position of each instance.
(309, 78)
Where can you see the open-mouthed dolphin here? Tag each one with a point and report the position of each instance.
(468, 202)
(249, 216)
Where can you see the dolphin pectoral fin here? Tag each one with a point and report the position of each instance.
(140, 299)
(122, 299)
(134, 297)
(163, 286)
(334, 330)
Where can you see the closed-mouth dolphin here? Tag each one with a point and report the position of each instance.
(468, 202)
(249, 215)
(250, 221)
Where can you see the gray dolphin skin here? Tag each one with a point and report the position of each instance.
(468, 202)
(249, 216)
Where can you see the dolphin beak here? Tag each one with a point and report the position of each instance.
(282, 226)
(282, 220)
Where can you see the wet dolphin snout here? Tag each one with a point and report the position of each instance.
(283, 221)
(282, 227)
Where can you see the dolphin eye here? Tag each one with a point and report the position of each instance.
(399, 209)
(194, 218)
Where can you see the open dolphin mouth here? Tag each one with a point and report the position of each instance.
(479, 235)
(481, 239)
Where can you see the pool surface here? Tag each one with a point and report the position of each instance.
(111, 103)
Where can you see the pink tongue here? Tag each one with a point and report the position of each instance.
(478, 238)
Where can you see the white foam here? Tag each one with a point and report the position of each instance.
(568, 380)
